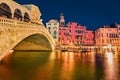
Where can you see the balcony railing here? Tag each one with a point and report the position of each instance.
(17, 23)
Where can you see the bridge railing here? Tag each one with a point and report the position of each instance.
(17, 23)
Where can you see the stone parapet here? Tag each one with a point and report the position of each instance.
(12, 22)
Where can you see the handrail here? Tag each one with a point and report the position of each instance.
(13, 22)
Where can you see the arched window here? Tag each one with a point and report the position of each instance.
(55, 32)
(18, 14)
(5, 10)
(49, 28)
(55, 27)
(55, 37)
(26, 17)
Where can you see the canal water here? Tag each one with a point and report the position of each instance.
(60, 66)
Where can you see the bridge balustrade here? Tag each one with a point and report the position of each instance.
(17, 23)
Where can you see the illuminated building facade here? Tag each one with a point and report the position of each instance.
(53, 28)
(107, 36)
(118, 28)
(70, 34)
(75, 34)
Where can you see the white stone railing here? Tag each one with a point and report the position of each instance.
(17, 23)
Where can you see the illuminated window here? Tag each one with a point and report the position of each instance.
(102, 41)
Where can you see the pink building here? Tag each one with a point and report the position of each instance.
(75, 34)
(64, 37)
(89, 38)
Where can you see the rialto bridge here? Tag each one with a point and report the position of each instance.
(22, 29)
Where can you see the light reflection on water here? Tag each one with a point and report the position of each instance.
(60, 66)
(111, 67)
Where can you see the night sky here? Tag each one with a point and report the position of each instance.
(91, 13)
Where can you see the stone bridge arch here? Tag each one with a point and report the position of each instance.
(12, 35)
(34, 41)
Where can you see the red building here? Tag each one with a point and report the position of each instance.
(75, 34)
(89, 37)
(64, 36)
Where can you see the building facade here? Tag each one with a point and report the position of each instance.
(107, 36)
(53, 28)
(75, 34)
(89, 38)
(64, 35)
(70, 36)
(118, 28)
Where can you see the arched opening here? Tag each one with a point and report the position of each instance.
(18, 14)
(35, 42)
(26, 17)
(55, 34)
(5, 10)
